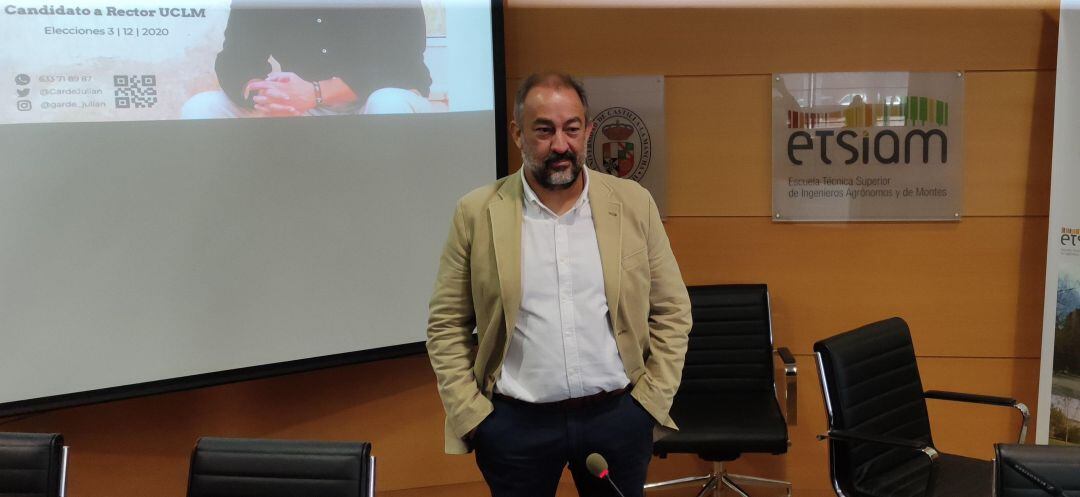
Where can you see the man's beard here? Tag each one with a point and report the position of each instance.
(548, 177)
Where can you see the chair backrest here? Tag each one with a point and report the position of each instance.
(871, 385)
(237, 467)
(32, 464)
(1055, 464)
(730, 347)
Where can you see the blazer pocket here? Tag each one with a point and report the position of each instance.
(635, 259)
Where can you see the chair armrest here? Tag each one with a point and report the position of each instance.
(970, 397)
(790, 369)
(1025, 413)
(849, 436)
(791, 385)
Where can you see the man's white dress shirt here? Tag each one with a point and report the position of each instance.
(562, 346)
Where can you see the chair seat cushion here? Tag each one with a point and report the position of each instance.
(952, 476)
(719, 427)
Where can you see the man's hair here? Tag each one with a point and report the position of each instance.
(555, 80)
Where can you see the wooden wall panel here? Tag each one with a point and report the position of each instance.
(711, 41)
(1008, 135)
(720, 143)
(141, 446)
(971, 429)
(719, 132)
(968, 289)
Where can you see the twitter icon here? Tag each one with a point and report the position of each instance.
(22, 92)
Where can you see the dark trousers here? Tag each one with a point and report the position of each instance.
(522, 448)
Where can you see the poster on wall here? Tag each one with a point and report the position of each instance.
(1064, 419)
(1058, 419)
(135, 60)
(871, 146)
(627, 114)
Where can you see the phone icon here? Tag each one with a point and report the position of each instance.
(22, 79)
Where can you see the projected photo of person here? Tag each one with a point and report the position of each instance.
(339, 59)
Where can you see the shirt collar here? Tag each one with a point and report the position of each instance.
(532, 199)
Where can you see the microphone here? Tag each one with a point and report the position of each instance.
(598, 467)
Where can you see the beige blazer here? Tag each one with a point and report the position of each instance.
(479, 286)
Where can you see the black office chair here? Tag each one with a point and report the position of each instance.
(1036, 470)
(33, 464)
(727, 402)
(879, 430)
(237, 467)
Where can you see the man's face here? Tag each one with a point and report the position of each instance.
(551, 136)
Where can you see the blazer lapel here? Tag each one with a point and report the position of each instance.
(607, 218)
(505, 214)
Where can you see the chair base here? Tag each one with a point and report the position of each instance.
(720, 481)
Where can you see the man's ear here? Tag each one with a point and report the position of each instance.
(515, 134)
(588, 131)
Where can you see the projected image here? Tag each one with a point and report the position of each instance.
(160, 233)
(128, 60)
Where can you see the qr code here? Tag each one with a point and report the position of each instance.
(135, 91)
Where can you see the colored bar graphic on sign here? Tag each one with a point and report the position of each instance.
(911, 111)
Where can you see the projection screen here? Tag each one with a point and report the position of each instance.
(201, 191)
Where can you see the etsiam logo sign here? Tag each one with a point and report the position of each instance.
(867, 146)
(850, 132)
(620, 144)
(1070, 236)
(1070, 241)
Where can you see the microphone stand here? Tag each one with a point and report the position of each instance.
(609, 480)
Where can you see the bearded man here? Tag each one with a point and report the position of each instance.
(580, 311)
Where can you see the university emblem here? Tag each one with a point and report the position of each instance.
(620, 144)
